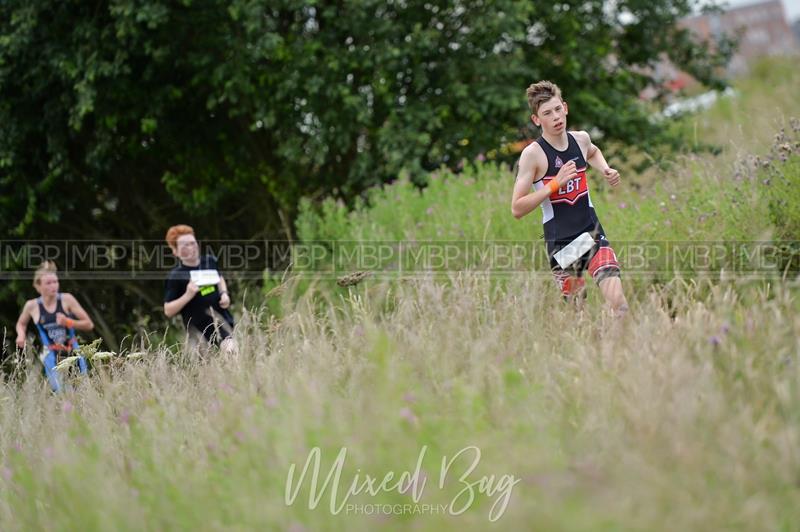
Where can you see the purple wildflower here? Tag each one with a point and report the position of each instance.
(408, 415)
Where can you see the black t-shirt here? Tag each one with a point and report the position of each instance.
(198, 312)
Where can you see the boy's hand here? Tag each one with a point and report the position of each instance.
(21, 342)
(567, 172)
(192, 288)
(612, 176)
(224, 300)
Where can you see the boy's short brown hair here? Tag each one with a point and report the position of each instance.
(175, 232)
(541, 92)
(44, 268)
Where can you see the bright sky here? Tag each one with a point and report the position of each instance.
(791, 7)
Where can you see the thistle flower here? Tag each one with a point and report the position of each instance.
(408, 415)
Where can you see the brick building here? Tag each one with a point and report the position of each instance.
(764, 31)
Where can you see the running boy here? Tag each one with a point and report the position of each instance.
(555, 166)
(57, 316)
(196, 289)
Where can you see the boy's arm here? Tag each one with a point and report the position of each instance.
(222, 286)
(523, 200)
(22, 324)
(171, 308)
(595, 158)
(71, 305)
(224, 297)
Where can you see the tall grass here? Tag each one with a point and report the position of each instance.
(683, 417)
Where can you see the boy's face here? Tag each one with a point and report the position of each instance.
(552, 116)
(48, 285)
(186, 248)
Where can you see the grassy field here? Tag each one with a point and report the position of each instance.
(684, 416)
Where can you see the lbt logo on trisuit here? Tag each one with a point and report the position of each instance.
(571, 191)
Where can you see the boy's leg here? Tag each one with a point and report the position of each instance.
(611, 287)
(216, 332)
(223, 332)
(229, 346)
(49, 362)
(570, 284)
(194, 340)
(604, 269)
